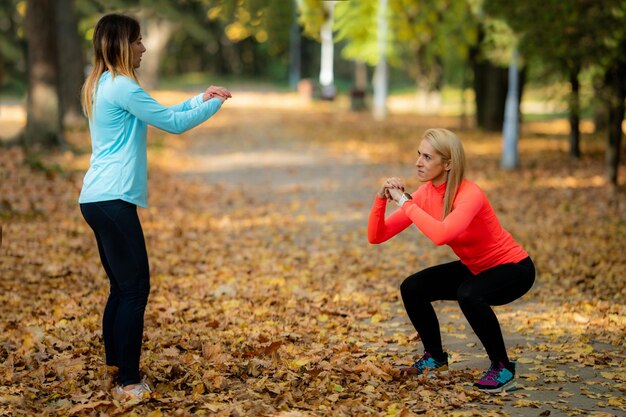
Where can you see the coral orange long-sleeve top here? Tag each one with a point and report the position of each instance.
(471, 229)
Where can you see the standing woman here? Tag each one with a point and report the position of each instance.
(119, 113)
(492, 268)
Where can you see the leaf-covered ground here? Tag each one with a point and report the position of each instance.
(268, 300)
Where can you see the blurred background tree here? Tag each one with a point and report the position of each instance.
(43, 109)
(431, 45)
(12, 47)
(569, 37)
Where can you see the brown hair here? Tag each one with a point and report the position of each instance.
(449, 146)
(112, 39)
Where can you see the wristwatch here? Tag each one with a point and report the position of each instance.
(405, 197)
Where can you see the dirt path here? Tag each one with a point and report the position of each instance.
(270, 165)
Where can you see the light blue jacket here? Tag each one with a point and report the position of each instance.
(121, 114)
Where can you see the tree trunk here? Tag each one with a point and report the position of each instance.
(600, 116)
(71, 64)
(43, 120)
(490, 87)
(295, 49)
(360, 75)
(230, 58)
(574, 113)
(615, 83)
(1, 75)
(616, 117)
(463, 116)
(1, 68)
(359, 91)
(156, 34)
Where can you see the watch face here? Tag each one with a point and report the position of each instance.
(403, 199)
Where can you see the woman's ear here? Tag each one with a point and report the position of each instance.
(448, 165)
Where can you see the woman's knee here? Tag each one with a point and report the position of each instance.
(412, 286)
(136, 287)
(137, 296)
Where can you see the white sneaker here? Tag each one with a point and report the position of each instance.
(140, 391)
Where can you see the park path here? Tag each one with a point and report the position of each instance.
(266, 162)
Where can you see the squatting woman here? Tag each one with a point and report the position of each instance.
(492, 268)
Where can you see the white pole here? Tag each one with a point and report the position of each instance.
(380, 75)
(510, 129)
(327, 78)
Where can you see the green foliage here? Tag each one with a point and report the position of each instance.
(355, 23)
(220, 36)
(423, 35)
(433, 33)
(312, 17)
(244, 36)
(566, 33)
(12, 47)
(498, 42)
(267, 21)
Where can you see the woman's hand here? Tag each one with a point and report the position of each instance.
(395, 193)
(216, 92)
(390, 184)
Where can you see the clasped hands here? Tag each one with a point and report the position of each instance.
(392, 189)
(220, 93)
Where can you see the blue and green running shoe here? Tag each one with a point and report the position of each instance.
(497, 379)
(427, 365)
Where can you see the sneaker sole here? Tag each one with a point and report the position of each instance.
(509, 386)
(430, 374)
(435, 374)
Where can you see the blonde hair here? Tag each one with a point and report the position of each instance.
(112, 39)
(449, 146)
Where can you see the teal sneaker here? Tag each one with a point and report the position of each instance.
(497, 379)
(427, 365)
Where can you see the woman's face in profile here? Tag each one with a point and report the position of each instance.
(430, 164)
(137, 49)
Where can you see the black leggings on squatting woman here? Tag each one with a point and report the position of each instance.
(476, 294)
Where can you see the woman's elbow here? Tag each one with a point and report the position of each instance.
(374, 240)
(439, 241)
(178, 130)
(176, 127)
(172, 130)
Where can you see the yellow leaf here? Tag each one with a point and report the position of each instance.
(298, 363)
(376, 318)
(526, 403)
(322, 318)
(333, 397)
(7, 399)
(579, 318)
(617, 401)
(198, 388)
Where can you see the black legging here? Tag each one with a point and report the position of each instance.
(475, 293)
(123, 255)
